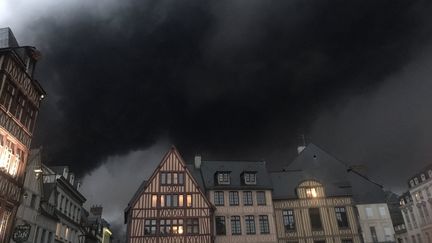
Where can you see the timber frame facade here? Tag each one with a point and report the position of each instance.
(20, 98)
(169, 207)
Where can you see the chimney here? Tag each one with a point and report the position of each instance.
(197, 161)
(96, 210)
(300, 149)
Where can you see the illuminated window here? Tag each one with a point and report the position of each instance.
(188, 201)
(180, 200)
(177, 226)
(154, 201)
(175, 179)
(192, 226)
(311, 192)
(9, 162)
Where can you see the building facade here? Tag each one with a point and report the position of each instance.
(416, 206)
(242, 195)
(376, 223)
(61, 186)
(305, 213)
(35, 209)
(20, 97)
(169, 207)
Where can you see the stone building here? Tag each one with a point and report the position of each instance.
(61, 187)
(20, 97)
(416, 206)
(35, 209)
(241, 191)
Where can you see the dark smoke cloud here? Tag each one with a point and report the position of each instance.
(228, 79)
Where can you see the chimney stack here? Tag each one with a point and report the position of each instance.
(96, 210)
(197, 161)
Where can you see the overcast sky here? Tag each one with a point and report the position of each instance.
(228, 80)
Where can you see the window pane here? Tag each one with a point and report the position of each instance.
(235, 225)
(341, 217)
(289, 219)
(234, 198)
(264, 224)
(247, 198)
(261, 199)
(250, 224)
(220, 225)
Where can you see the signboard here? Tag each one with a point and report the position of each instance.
(21, 233)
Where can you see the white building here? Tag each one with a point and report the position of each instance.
(375, 222)
(35, 209)
(416, 206)
(62, 188)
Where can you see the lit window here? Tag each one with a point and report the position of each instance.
(311, 192)
(9, 162)
(154, 201)
(180, 200)
(189, 201)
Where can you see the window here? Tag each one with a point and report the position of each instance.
(311, 192)
(423, 177)
(233, 198)
(154, 201)
(7, 95)
(150, 227)
(9, 162)
(223, 178)
(382, 211)
(249, 178)
(373, 234)
(192, 226)
(388, 234)
(369, 212)
(341, 217)
(165, 226)
(220, 225)
(247, 198)
(411, 183)
(33, 201)
(171, 178)
(288, 219)
(264, 224)
(188, 201)
(250, 224)
(261, 198)
(347, 241)
(416, 181)
(219, 198)
(235, 225)
(315, 218)
(170, 200)
(176, 226)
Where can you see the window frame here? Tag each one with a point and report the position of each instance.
(247, 198)
(264, 224)
(219, 198)
(288, 217)
(234, 199)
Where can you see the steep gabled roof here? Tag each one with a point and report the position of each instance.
(338, 177)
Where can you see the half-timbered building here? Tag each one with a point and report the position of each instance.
(20, 96)
(169, 207)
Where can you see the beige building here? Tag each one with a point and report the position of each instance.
(416, 206)
(241, 194)
(307, 212)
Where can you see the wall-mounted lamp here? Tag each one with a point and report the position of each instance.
(25, 195)
(38, 172)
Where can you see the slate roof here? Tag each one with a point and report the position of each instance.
(337, 177)
(210, 168)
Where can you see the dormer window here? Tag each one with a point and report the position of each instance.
(430, 173)
(423, 177)
(416, 181)
(311, 192)
(411, 183)
(249, 178)
(223, 178)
